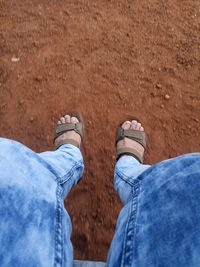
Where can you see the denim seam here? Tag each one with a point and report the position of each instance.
(51, 169)
(127, 254)
(69, 174)
(125, 178)
(59, 231)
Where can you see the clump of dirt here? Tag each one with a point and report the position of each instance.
(103, 58)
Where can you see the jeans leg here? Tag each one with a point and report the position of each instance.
(35, 227)
(67, 165)
(126, 170)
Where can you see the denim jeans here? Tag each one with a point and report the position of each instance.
(158, 225)
(35, 228)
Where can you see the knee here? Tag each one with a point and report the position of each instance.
(69, 151)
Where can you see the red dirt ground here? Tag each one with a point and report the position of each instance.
(103, 58)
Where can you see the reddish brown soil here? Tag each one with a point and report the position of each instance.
(104, 58)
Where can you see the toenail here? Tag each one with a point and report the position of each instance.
(67, 118)
(127, 122)
(62, 119)
(74, 120)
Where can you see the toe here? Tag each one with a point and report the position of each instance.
(138, 126)
(126, 125)
(142, 129)
(67, 118)
(59, 122)
(133, 124)
(74, 120)
(62, 119)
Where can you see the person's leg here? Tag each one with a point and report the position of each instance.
(158, 225)
(67, 165)
(127, 167)
(126, 172)
(66, 162)
(35, 227)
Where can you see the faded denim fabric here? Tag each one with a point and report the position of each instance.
(35, 228)
(159, 225)
(81, 263)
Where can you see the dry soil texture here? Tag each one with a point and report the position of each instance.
(103, 58)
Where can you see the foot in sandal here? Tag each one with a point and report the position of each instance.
(131, 139)
(69, 130)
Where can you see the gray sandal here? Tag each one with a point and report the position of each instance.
(77, 127)
(138, 136)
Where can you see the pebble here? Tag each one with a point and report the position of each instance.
(21, 101)
(158, 86)
(162, 106)
(31, 119)
(14, 59)
(167, 97)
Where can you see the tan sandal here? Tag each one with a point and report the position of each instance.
(136, 135)
(63, 128)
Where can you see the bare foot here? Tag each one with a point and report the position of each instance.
(127, 142)
(70, 134)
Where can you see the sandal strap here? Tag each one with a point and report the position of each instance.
(129, 151)
(136, 135)
(67, 141)
(62, 128)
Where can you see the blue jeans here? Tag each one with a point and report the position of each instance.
(35, 228)
(158, 225)
(160, 221)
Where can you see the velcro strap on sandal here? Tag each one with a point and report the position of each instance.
(136, 135)
(129, 151)
(62, 128)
